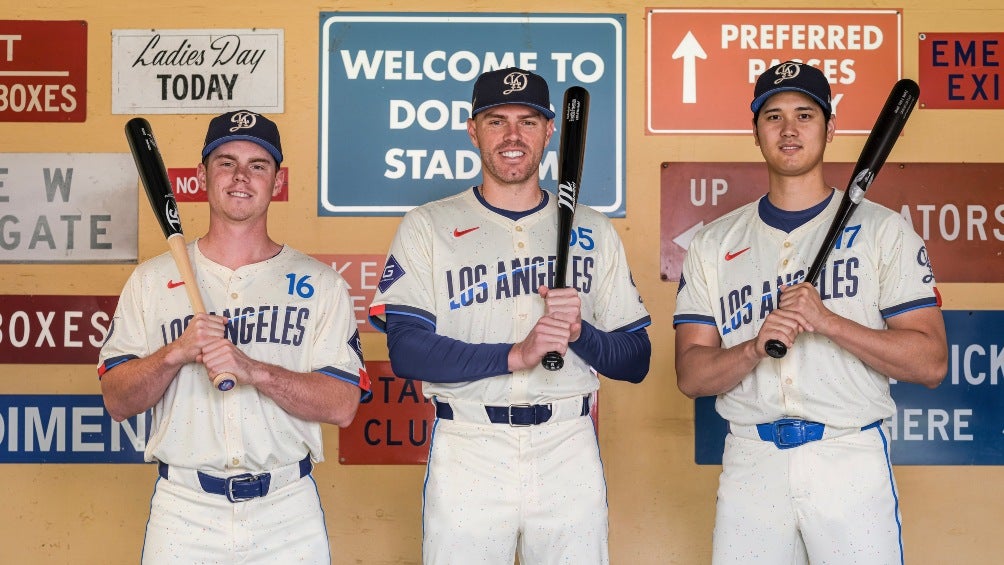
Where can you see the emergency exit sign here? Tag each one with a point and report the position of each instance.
(960, 70)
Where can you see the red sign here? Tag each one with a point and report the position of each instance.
(961, 70)
(185, 185)
(54, 329)
(362, 273)
(43, 71)
(703, 63)
(958, 208)
(394, 427)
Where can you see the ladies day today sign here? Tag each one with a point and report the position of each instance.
(395, 95)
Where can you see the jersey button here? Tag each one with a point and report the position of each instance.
(519, 228)
(233, 295)
(520, 245)
(787, 244)
(236, 461)
(785, 262)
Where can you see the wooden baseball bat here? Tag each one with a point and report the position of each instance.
(571, 153)
(881, 140)
(151, 169)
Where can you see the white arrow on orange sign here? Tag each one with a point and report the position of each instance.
(689, 50)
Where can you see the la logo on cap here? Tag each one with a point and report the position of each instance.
(515, 81)
(787, 71)
(244, 120)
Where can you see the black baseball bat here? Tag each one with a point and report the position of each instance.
(881, 140)
(152, 172)
(571, 153)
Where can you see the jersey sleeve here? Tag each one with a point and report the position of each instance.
(127, 334)
(337, 350)
(404, 284)
(618, 304)
(906, 278)
(693, 303)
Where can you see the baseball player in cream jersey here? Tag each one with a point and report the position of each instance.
(234, 466)
(806, 473)
(513, 467)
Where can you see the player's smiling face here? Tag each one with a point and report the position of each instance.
(240, 178)
(792, 132)
(511, 138)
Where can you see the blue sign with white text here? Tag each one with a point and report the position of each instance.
(73, 428)
(395, 96)
(959, 423)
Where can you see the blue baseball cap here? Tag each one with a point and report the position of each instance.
(246, 126)
(511, 86)
(792, 75)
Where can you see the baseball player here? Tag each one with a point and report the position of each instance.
(513, 467)
(234, 466)
(806, 473)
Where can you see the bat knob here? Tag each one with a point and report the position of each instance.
(224, 382)
(552, 361)
(776, 349)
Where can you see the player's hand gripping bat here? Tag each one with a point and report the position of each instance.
(575, 115)
(151, 169)
(881, 140)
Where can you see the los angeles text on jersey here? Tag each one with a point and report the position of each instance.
(477, 284)
(285, 325)
(738, 307)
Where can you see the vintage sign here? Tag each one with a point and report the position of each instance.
(958, 208)
(703, 63)
(64, 329)
(185, 185)
(72, 428)
(362, 273)
(68, 207)
(43, 71)
(958, 423)
(197, 71)
(961, 70)
(406, 81)
(393, 427)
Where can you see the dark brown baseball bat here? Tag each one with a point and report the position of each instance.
(571, 153)
(881, 140)
(151, 169)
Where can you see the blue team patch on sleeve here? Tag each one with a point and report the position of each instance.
(391, 272)
(357, 345)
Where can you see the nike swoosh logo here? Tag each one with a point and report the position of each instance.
(731, 256)
(457, 232)
(172, 284)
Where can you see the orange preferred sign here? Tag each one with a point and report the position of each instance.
(703, 63)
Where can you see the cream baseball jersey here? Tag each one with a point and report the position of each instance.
(290, 310)
(732, 276)
(473, 274)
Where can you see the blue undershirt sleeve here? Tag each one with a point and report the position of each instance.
(418, 352)
(622, 356)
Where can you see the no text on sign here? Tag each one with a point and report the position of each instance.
(960, 70)
(703, 63)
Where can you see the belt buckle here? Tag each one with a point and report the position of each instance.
(518, 406)
(783, 427)
(228, 486)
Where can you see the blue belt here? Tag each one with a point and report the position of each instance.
(514, 415)
(792, 432)
(238, 487)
